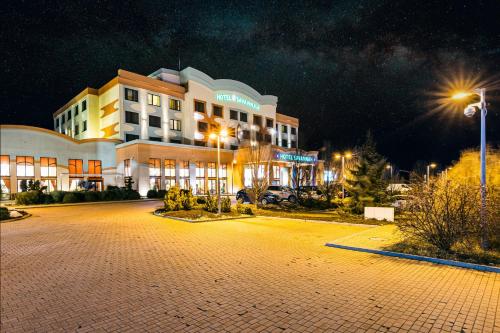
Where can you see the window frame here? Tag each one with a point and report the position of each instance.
(175, 125)
(220, 107)
(134, 114)
(197, 101)
(134, 97)
(26, 165)
(153, 99)
(156, 119)
(50, 163)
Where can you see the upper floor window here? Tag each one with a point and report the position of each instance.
(57, 122)
(200, 169)
(293, 144)
(75, 166)
(4, 165)
(48, 166)
(257, 120)
(131, 95)
(153, 100)
(175, 104)
(131, 137)
(155, 138)
(25, 166)
(84, 126)
(175, 124)
(199, 106)
(84, 105)
(202, 127)
(243, 117)
(233, 114)
(154, 167)
(69, 114)
(77, 129)
(155, 121)
(218, 111)
(95, 167)
(211, 169)
(131, 117)
(63, 119)
(294, 130)
(76, 110)
(126, 168)
(269, 123)
(184, 169)
(284, 129)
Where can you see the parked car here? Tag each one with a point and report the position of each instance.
(401, 201)
(311, 192)
(283, 193)
(266, 198)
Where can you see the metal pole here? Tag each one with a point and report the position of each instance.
(343, 178)
(428, 174)
(483, 217)
(218, 166)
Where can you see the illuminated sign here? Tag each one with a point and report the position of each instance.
(295, 158)
(236, 99)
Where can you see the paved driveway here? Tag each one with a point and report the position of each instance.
(116, 267)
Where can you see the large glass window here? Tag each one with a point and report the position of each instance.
(276, 175)
(25, 166)
(184, 175)
(199, 106)
(155, 121)
(4, 165)
(95, 167)
(48, 166)
(153, 100)
(247, 176)
(154, 173)
(223, 177)
(75, 167)
(212, 177)
(50, 183)
(131, 117)
(131, 95)
(200, 178)
(175, 104)
(169, 173)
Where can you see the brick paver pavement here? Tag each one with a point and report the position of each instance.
(117, 268)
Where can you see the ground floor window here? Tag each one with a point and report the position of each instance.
(276, 175)
(75, 183)
(200, 178)
(247, 176)
(5, 185)
(94, 184)
(22, 184)
(169, 182)
(184, 175)
(50, 183)
(154, 183)
(212, 186)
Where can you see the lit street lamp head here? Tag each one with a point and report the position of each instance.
(460, 95)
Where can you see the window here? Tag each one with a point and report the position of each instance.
(202, 127)
(131, 137)
(211, 170)
(175, 104)
(284, 143)
(175, 124)
(48, 167)
(293, 144)
(199, 106)
(246, 135)
(69, 114)
(84, 126)
(131, 117)
(217, 111)
(50, 183)
(223, 177)
(233, 147)
(257, 120)
(4, 165)
(243, 117)
(127, 171)
(233, 114)
(153, 100)
(25, 166)
(75, 167)
(57, 122)
(84, 105)
(268, 138)
(77, 129)
(276, 175)
(155, 121)
(284, 129)
(294, 130)
(247, 176)
(76, 110)
(155, 138)
(184, 175)
(95, 167)
(259, 137)
(63, 119)
(131, 95)
(212, 178)
(269, 123)
(175, 141)
(200, 178)
(169, 173)
(154, 173)
(200, 143)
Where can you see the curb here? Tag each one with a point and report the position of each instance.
(322, 221)
(203, 221)
(477, 267)
(80, 203)
(25, 216)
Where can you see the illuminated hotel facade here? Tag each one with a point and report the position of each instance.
(156, 129)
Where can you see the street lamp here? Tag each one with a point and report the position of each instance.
(429, 167)
(469, 111)
(342, 157)
(218, 135)
(389, 167)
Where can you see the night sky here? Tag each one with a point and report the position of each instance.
(342, 67)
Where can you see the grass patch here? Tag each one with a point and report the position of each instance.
(465, 252)
(198, 214)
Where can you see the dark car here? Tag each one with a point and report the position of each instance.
(265, 198)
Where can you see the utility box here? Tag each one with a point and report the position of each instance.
(380, 213)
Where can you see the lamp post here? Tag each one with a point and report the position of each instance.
(218, 135)
(342, 157)
(469, 111)
(389, 167)
(429, 166)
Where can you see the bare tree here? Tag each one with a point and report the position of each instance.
(260, 154)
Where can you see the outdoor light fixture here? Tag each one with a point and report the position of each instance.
(338, 156)
(469, 111)
(222, 134)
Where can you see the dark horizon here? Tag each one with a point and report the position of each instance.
(342, 69)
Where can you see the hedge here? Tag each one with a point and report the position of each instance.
(111, 194)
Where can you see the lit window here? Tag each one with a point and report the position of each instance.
(51, 184)
(95, 167)
(211, 170)
(4, 165)
(25, 166)
(48, 166)
(154, 167)
(184, 175)
(126, 168)
(223, 170)
(75, 167)
(131, 95)
(200, 178)
(200, 169)
(276, 174)
(153, 100)
(175, 105)
(169, 173)
(175, 124)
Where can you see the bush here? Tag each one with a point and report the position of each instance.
(187, 199)
(111, 195)
(315, 203)
(225, 205)
(152, 194)
(161, 194)
(29, 198)
(244, 209)
(70, 197)
(201, 200)
(4, 213)
(47, 199)
(131, 195)
(57, 196)
(173, 200)
(210, 204)
(91, 196)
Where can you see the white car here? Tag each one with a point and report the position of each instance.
(283, 193)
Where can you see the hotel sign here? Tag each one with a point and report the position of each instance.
(236, 99)
(287, 157)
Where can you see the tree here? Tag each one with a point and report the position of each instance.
(366, 184)
(260, 164)
(329, 184)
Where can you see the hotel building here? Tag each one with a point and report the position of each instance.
(156, 129)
